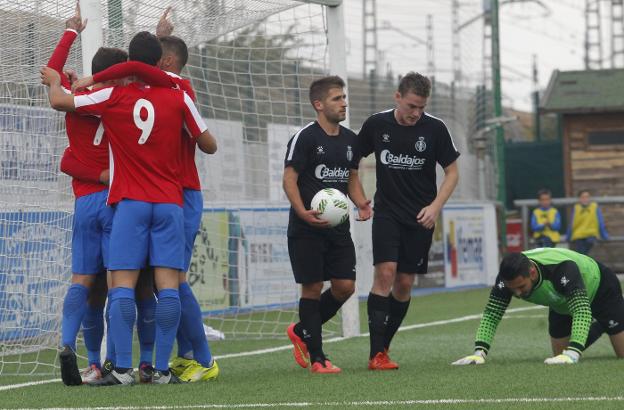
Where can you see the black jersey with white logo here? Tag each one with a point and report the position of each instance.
(322, 161)
(406, 158)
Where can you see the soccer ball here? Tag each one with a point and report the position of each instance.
(332, 206)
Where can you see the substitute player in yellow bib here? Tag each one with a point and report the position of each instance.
(545, 221)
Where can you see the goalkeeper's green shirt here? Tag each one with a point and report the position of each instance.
(567, 283)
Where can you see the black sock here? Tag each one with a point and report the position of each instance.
(595, 331)
(311, 327)
(397, 313)
(329, 306)
(378, 307)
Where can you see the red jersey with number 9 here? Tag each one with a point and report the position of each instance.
(144, 126)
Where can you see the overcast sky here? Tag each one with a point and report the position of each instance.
(555, 35)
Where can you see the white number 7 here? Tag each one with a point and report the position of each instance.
(144, 125)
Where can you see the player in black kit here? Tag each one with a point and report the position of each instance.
(407, 142)
(321, 155)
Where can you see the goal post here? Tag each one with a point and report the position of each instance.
(92, 36)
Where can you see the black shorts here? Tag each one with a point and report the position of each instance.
(607, 308)
(407, 246)
(318, 258)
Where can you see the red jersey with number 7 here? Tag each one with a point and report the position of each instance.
(144, 126)
(87, 139)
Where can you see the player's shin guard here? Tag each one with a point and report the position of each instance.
(122, 318)
(378, 307)
(93, 332)
(146, 328)
(167, 321)
(110, 345)
(397, 312)
(74, 307)
(329, 306)
(311, 328)
(192, 326)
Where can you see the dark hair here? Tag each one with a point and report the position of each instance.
(176, 46)
(582, 191)
(514, 265)
(543, 192)
(415, 83)
(145, 47)
(319, 88)
(106, 57)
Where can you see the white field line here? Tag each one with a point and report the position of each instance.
(289, 346)
(27, 384)
(381, 403)
(401, 329)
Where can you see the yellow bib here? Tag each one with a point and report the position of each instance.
(543, 217)
(585, 223)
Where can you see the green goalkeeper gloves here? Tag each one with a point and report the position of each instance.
(478, 357)
(566, 357)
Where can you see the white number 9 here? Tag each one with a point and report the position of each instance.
(144, 125)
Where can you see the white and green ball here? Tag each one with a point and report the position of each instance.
(332, 206)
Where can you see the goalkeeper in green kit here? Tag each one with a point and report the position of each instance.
(584, 299)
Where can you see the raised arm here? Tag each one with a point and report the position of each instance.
(73, 26)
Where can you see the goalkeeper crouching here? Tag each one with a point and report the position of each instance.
(584, 299)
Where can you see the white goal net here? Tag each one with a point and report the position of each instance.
(250, 63)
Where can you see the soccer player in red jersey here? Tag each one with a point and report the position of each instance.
(194, 361)
(144, 125)
(92, 218)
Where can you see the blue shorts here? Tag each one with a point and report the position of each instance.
(143, 228)
(193, 209)
(91, 231)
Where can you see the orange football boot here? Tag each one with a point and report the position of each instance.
(300, 350)
(327, 368)
(381, 361)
